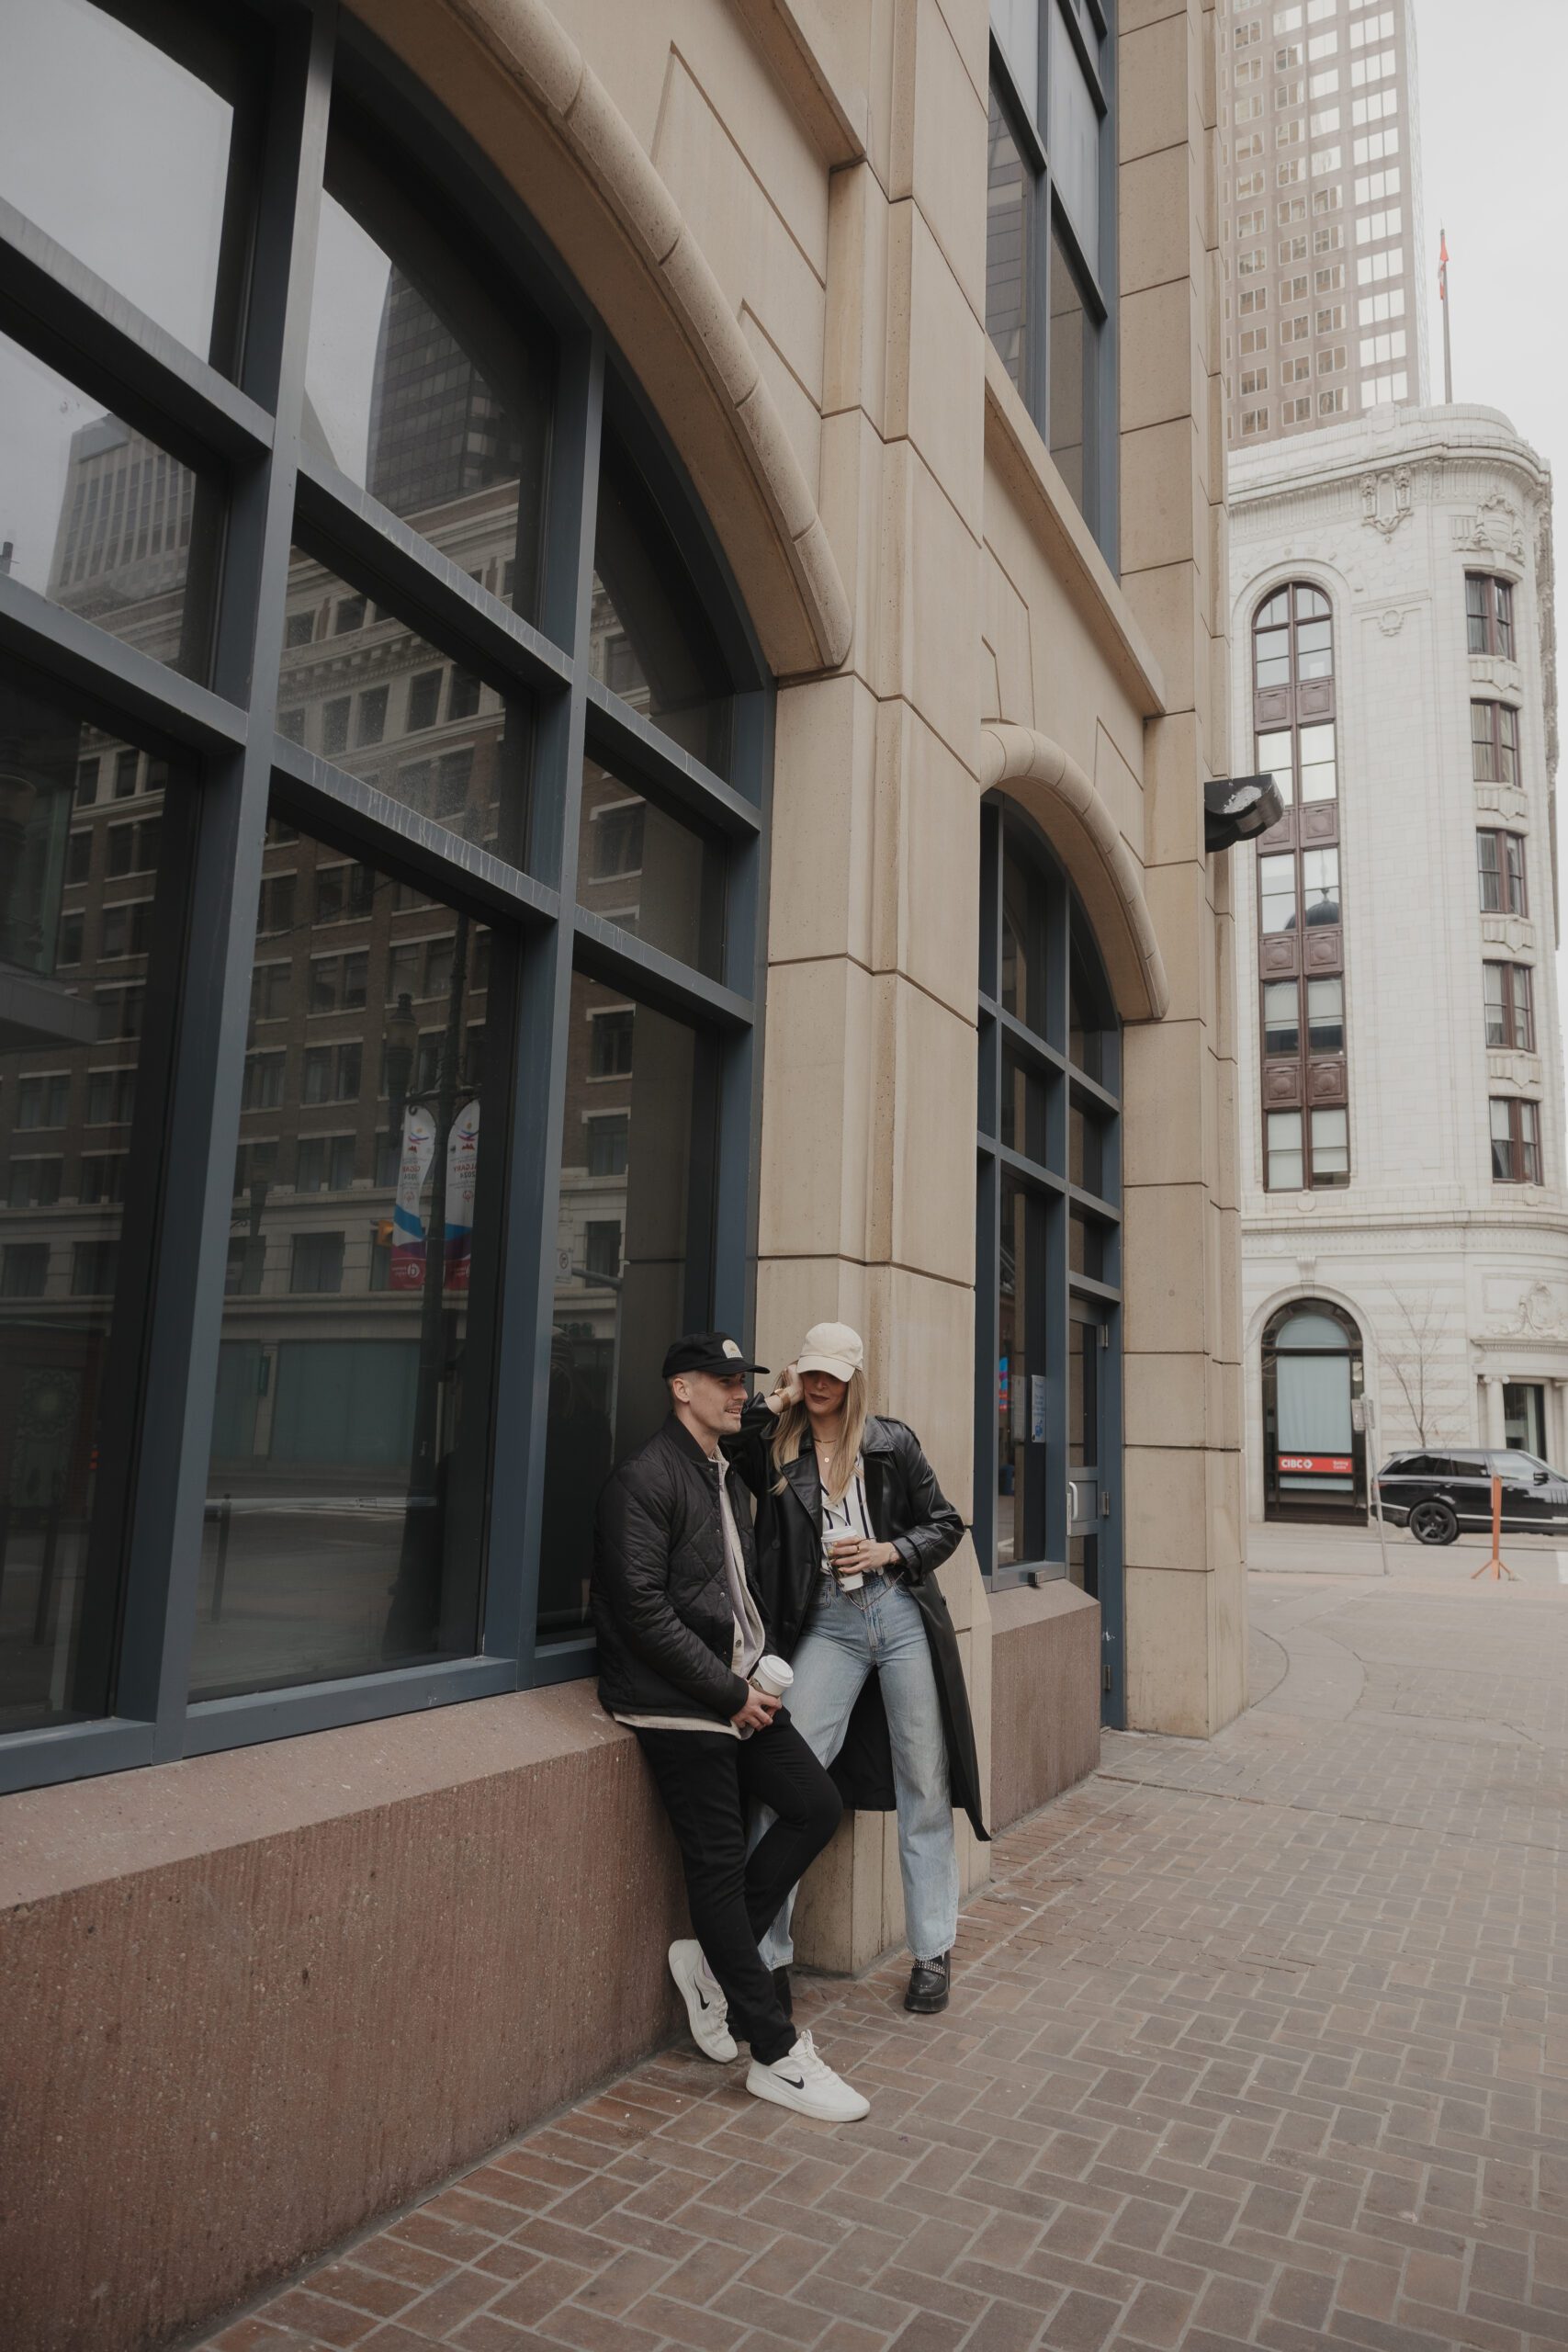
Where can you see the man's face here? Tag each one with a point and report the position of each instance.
(713, 1400)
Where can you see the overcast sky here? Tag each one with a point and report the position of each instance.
(1494, 167)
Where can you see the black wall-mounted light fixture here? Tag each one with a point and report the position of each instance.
(1238, 809)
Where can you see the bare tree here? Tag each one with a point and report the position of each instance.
(1413, 1361)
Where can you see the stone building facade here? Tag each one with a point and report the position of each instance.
(1402, 1093)
(756, 782)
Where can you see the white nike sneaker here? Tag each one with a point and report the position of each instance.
(705, 2005)
(802, 2080)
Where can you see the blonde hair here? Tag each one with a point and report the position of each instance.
(793, 1423)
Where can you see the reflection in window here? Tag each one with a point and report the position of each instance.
(1515, 1141)
(652, 642)
(1072, 332)
(102, 521)
(1510, 1010)
(1320, 887)
(1282, 1018)
(121, 155)
(1283, 1139)
(1489, 613)
(1500, 866)
(351, 1429)
(67, 1061)
(469, 773)
(1277, 892)
(1007, 237)
(1326, 1017)
(626, 1162)
(428, 377)
(651, 872)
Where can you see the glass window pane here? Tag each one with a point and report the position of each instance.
(1320, 885)
(1274, 759)
(1314, 649)
(1024, 941)
(1530, 1142)
(1016, 26)
(1085, 1246)
(1086, 1151)
(344, 1523)
(1008, 187)
(1483, 759)
(1072, 338)
(69, 1059)
(643, 869)
(1271, 658)
(1277, 880)
(1318, 781)
(1073, 138)
(101, 520)
(1501, 1140)
(1489, 868)
(428, 377)
(1330, 1147)
(469, 773)
(1326, 1017)
(1524, 1010)
(1022, 1108)
(634, 1136)
(1514, 852)
(1283, 1133)
(1491, 983)
(652, 642)
(1015, 1459)
(1282, 1018)
(120, 154)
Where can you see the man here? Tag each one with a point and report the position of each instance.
(679, 1630)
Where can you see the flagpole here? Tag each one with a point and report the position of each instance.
(1443, 298)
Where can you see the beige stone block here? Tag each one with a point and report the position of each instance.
(852, 501)
(824, 822)
(1227, 1641)
(1165, 1074)
(1153, 88)
(923, 1137)
(1179, 906)
(1161, 368)
(1007, 633)
(1164, 1252)
(1173, 797)
(1158, 195)
(1170, 1673)
(816, 1121)
(1163, 1400)
(801, 416)
(1164, 518)
(938, 143)
(1132, 14)
(928, 830)
(855, 351)
(935, 362)
(1169, 611)
(1166, 1507)
(920, 1337)
(969, 22)
(795, 1293)
(930, 572)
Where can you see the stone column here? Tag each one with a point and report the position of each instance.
(867, 1206)
(1496, 1427)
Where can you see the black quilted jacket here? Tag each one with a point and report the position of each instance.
(660, 1598)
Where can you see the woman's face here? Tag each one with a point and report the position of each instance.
(824, 1394)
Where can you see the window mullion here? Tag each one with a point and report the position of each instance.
(165, 1540)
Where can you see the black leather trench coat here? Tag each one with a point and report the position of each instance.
(908, 1510)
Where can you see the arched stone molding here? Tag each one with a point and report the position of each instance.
(1070, 813)
(509, 72)
(1311, 572)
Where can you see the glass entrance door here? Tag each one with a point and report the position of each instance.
(1084, 1421)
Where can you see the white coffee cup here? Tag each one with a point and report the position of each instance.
(772, 1676)
(852, 1583)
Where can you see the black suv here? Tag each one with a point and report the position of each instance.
(1436, 1494)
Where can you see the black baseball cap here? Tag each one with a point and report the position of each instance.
(708, 1351)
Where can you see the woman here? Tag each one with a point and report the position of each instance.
(852, 1527)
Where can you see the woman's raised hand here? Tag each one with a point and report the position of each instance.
(786, 1389)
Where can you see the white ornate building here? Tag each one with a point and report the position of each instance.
(1404, 1193)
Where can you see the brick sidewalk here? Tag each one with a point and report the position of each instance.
(1254, 2043)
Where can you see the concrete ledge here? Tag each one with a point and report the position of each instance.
(254, 1999)
(1044, 1696)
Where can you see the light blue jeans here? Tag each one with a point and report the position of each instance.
(848, 1635)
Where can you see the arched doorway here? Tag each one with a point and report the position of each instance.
(1048, 1294)
(1313, 1454)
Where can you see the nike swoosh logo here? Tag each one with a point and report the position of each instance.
(701, 2003)
(797, 2080)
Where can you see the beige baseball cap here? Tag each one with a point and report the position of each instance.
(832, 1347)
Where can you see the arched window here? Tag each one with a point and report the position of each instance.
(1048, 1407)
(1304, 1084)
(383, 760)
(1314, 1464)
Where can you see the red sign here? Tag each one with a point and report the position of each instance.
(1331, 1465)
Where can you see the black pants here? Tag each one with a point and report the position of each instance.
(710, 1783)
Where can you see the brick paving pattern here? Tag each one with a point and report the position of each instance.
(1257, 2043)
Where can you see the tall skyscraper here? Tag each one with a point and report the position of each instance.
(1321, 252)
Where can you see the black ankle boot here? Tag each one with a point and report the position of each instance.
(785, 1998)
(930, 1981)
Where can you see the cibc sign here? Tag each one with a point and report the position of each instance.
(1325, 1466)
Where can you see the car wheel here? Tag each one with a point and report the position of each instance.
(1433, 1523)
